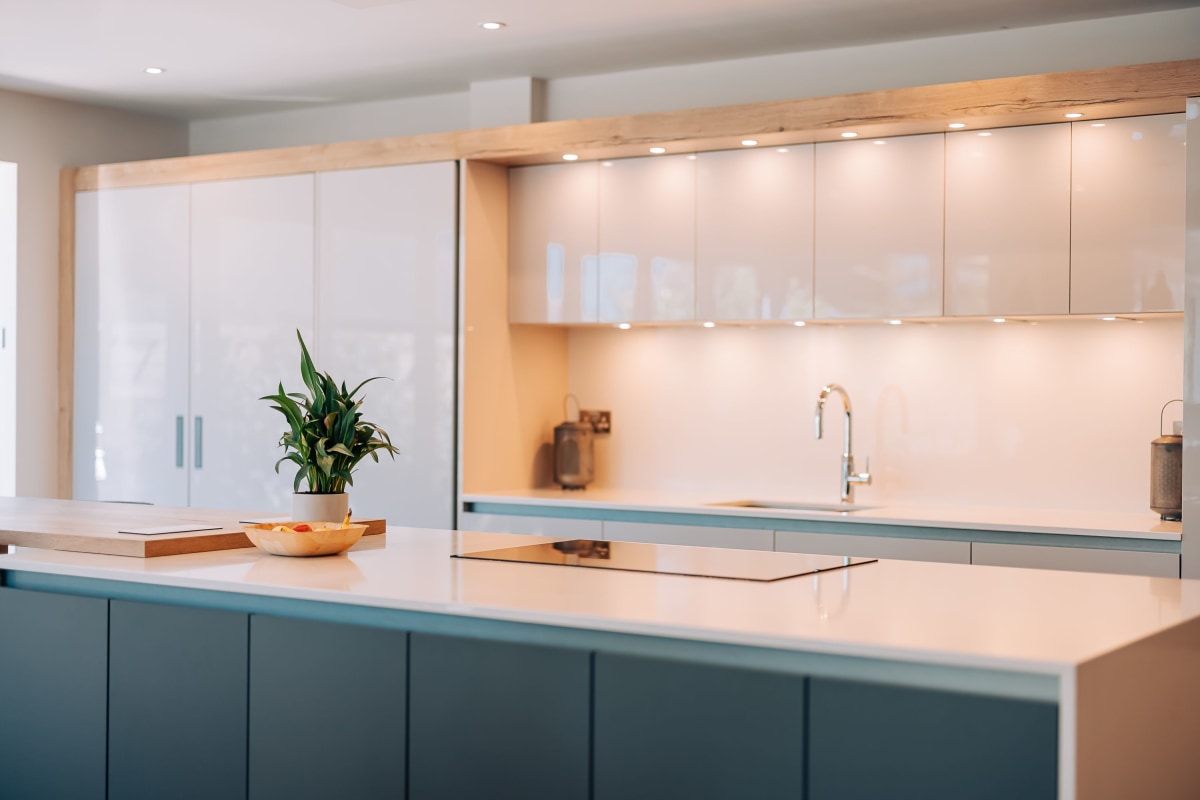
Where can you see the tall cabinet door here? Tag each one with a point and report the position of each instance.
(386, 306)
(1127, 214)
(647, 239)
(251, 290)
(131, 345)
(879, 227)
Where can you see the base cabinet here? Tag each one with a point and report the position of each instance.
(176, 702)
(497, 720)
(697, 535)
(53, 704)
(677, 729)
(1076, 559)
(836, 544)
(868, 741)
(327, 710)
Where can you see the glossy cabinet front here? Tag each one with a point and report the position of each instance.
(131, 345)
(552, 242)
(1008, 221)
(386, 299)
(754, 234)
(647, 239)
(1127, 214)
(879, 207)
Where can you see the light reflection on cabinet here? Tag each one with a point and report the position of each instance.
(754, 234)
(647, 239)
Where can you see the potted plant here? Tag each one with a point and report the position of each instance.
(326, 439)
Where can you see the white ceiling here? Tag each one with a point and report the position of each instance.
(227, 57)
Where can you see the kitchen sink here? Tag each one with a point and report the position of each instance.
(785, 505)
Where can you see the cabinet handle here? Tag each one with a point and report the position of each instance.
(179, 442)
(199, 442)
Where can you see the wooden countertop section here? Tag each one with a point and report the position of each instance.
(86, 527)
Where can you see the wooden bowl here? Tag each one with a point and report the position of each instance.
(325, 538)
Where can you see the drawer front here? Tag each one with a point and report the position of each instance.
(698, 535)
(533, 526)
(1076, 559)
(873, 547)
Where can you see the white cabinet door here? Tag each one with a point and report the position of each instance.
(647, 239)
(131, 345)
(386, 306)
(697, 535)
(1076, 559)
(251, 289)
(840, 544)
(1008, 221)
(533, 526)
(552, 242)
(754, 234)
(879, 209)
(1127, 214)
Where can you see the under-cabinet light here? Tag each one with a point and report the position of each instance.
(493, 26)
(1073, 115)
(658, 151)
(957, 125)
(849, 135)
(570, 157)
(749, 142)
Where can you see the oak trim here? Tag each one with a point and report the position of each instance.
(1158, 88)
(66, 329)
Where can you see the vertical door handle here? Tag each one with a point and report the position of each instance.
(198, 444)
(179, 442)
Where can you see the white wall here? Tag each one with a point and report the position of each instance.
(41, 136)
(1057, 414)
(1142, 38)
(1191, 375)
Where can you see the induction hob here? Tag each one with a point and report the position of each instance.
(700, 562)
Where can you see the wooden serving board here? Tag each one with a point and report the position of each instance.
(87, 527)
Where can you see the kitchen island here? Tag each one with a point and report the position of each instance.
(395, 670)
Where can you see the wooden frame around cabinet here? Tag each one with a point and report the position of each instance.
(1157, 88)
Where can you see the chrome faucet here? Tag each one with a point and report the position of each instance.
(849, 476)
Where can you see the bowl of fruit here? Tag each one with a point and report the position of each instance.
(305, 538)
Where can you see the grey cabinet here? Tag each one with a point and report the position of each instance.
(840, 544)
(497, 720)
(53, 678)
(1076, 559)
(694, 535)
(675, 729)
(328, 704)
(177, 702)
(870, 741)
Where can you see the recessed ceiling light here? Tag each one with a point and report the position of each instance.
(849, 135)
(893, 322)
(658, 150)
(155, 70)
(749, 142)
(957, 125)
(999, 319)
(623, 326)
(1097, 124)
(985, 133)
(799, 323)
(570, 157)
(710, 324)
(493, 26)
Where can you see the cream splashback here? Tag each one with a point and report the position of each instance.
(1057, 414)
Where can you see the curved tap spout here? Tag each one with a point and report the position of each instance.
(818, 426)
(849, 476)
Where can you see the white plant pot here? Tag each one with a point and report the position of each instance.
(308, 507)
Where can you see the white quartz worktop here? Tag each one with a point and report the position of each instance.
(1030, 621)
(1135, 525)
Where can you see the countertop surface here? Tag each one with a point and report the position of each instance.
(1119, 524)
(1030, 621)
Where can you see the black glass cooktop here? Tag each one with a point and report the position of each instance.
(701, 562)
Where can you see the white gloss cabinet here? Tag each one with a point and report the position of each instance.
(131, 345)
(879, 231)
(1008, 221)
(251, 289)
(647, 239)
(754, 234)
(385, 306)
(1127, 214)
(552, 242)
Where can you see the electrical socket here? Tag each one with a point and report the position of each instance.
(601, 421)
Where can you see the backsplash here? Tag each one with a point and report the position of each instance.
(1057, 414)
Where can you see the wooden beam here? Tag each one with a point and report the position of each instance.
(1111, 92)
(66, 328)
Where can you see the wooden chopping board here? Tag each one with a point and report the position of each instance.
(87, 527)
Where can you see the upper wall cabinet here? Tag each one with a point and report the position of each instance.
(1008, 221)
(552, 243)
(879, 207)
(1127, 215)
(131, 345)
(754, 234)
(647, 239)
(390, 232)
